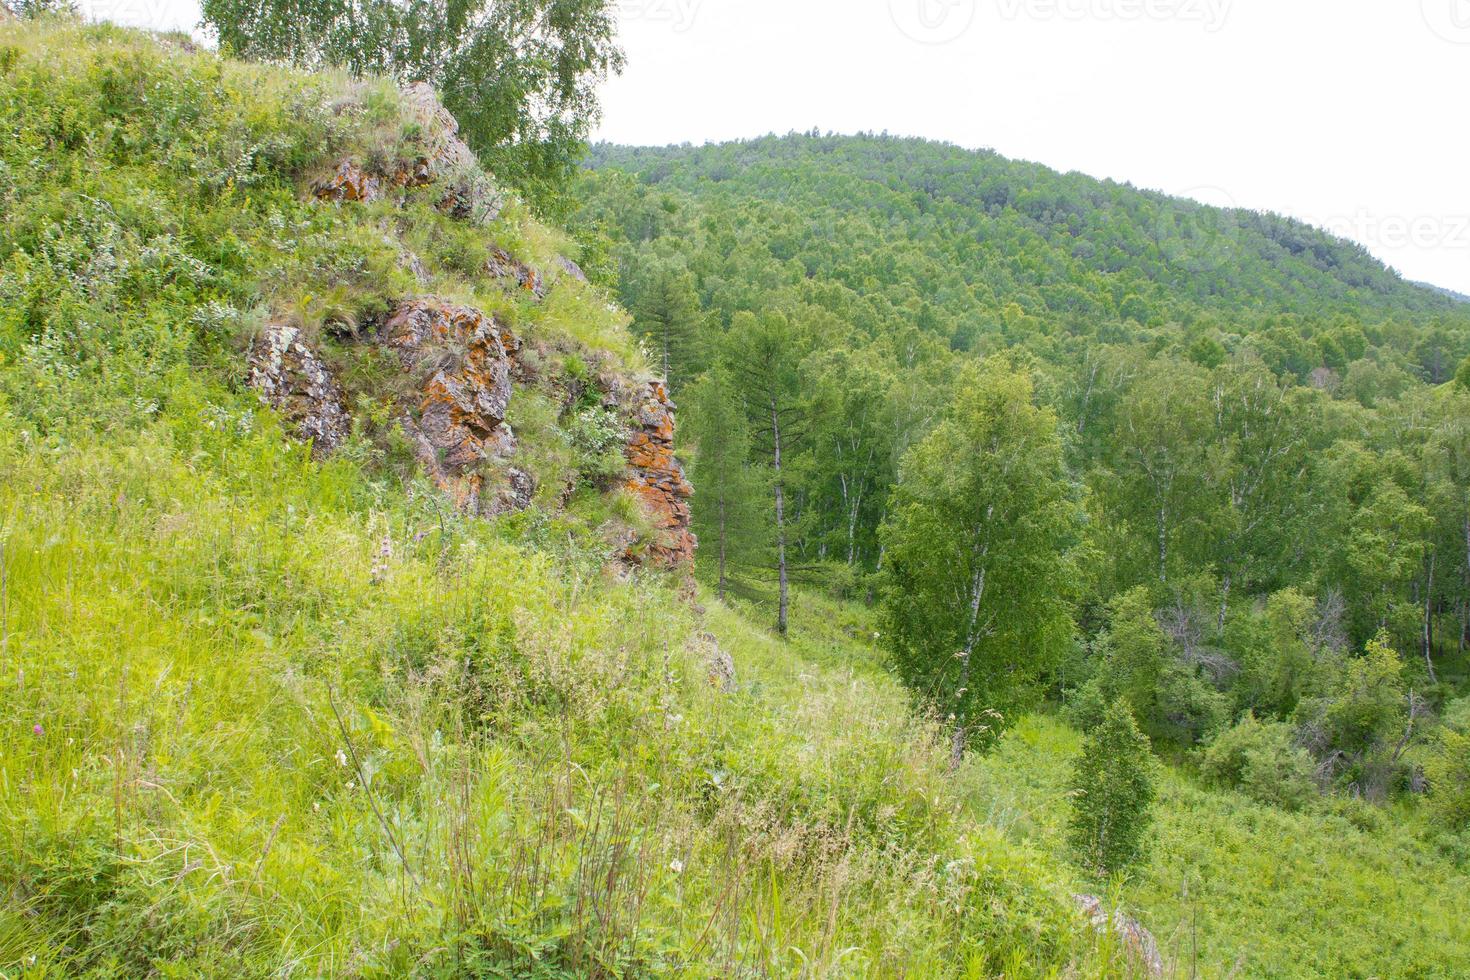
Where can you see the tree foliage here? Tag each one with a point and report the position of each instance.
(519, 75)
(1113, 793)
(978, 578)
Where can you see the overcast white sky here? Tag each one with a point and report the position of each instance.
(1350, 114)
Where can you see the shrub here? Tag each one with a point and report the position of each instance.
(1448, 772)
(1113, 793)
(1261, 760)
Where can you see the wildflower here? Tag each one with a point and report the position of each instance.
(316, 806)
(38, 729)
(341, 758)
(676, 866)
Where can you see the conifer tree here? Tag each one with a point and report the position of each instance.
(728, 508)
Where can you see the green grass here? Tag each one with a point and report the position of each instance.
(265, 716)
(1236, 888)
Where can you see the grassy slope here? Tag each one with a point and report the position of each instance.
(1238, 888)
(260, 715)
(265, 716)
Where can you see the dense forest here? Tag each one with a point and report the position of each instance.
(1253, 468)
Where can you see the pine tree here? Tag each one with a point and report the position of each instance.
(1113, 793)
(666, 312)
(727, 510)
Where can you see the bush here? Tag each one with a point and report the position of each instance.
(1448, 772)
(1261, 760)
(1113, 793)
(1187, 707)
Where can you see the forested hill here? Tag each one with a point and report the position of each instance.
(960, 235)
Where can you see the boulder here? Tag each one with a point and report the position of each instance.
(717, 661)
(571, 268)
(1136, 940)
(291, 378)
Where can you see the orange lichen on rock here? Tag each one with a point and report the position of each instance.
(460, 419)
(656, 477)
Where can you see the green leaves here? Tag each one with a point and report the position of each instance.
(1112, 794)
(978, 582)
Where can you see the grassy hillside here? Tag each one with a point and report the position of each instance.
(1238, 888)
(268, 715)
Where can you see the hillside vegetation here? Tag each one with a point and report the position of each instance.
(272, 715)
(1092, 451)
(331, 687)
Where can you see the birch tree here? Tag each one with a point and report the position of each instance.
(978, 577)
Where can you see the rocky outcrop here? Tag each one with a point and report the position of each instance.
(717, 661)
(465, 362)
(464, 358)
(514, 273)
(571, 268)
(657, 478)
(1137, 941)
(443, 159)
(291, 378)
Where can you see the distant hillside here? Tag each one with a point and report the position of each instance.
(1457, 297)
(969, 232)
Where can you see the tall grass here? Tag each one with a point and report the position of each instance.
(265, 716)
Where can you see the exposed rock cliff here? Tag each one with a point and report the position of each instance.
(459, 423)
(292, 379)
(657, 477)
(465, 363)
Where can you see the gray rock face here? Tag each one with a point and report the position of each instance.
(292, 379)
(571, 268)
(1136, 940)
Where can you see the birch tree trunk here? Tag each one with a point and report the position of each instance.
(785, 600)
